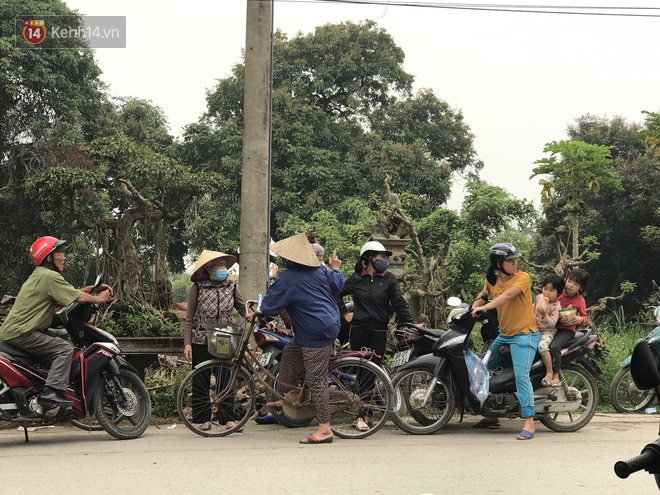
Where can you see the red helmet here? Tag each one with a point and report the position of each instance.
(42, 247)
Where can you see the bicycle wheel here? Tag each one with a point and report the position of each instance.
(206, 405)
(412, 416)
(358, 388)
(625, 396)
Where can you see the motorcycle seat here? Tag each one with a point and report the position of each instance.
(580, 338)
(432, 332)
(15, 353)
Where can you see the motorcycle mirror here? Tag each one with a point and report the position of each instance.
(454, 301)
(97, 282)
(654, 285)
(643, 367)
(463, 295)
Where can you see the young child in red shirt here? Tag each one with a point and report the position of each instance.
(571, 298)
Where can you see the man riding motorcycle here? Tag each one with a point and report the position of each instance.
(33, 310)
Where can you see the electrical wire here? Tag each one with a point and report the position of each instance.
(530, 9)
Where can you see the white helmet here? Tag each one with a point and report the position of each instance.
(374, 246)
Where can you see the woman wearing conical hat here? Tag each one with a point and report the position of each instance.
(212, 296)
(307, 291)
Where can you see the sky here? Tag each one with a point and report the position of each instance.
(518, 78)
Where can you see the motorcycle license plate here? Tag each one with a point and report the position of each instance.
(263, 358)
(400, 358)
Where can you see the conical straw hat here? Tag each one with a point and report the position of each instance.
(296, 249)
(207, 258)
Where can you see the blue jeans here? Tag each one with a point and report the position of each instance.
(523, 349)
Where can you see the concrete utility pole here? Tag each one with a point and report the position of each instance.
(255, 185)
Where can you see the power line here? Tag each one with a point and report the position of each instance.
(529, 9)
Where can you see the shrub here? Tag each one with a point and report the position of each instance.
(163, 381)
(129, 321)
(620, 335)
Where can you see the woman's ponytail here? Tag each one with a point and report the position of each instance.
(491, 276)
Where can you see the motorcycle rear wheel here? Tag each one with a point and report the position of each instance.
(412, 418)
(575, 376)
(625, 396)
(209, 381)
(123, 420)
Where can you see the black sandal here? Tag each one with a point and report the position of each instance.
(484, 423)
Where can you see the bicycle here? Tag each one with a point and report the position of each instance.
(223, 389)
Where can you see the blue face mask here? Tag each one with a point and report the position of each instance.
(380, 265)
(220, 275)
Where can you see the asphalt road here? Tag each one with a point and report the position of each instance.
(268, 459)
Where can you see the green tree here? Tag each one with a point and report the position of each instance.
(579, 167)
(343, 117)
(39, 90)
(119, 189)
(616, 217)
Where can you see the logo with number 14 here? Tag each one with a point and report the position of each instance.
(34, 31)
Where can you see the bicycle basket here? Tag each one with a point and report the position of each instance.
(223, 341)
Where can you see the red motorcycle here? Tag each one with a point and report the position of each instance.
(102, 386)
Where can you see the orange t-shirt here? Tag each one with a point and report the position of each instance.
(517, 315)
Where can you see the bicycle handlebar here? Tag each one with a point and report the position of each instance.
(649, 460)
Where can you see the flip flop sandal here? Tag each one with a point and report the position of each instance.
(484, 423)
(361, 425)
(546, 383)
(265, 420)
(555, 383)
(525, 435)
(312, 440)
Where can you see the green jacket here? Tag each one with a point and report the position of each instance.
(35, 304)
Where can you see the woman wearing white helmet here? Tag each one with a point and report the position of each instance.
(376, 295)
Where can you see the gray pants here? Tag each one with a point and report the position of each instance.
(58, 350)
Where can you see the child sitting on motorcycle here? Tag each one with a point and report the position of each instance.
(546, 309)
(570, 298)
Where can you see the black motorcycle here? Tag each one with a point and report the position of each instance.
(435, 385)
(413, 341)
(644, 368)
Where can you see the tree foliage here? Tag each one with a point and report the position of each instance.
(576, 166)
(40, 90)
(123, 189)
(619, 217)
(343, 117)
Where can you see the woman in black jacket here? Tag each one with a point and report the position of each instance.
(376, 294)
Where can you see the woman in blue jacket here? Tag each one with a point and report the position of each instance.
(307, 291)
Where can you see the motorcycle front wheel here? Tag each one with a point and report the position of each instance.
(87, 425)
(411, 414)
(567, 421)
(122, 405)
(625, 396)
